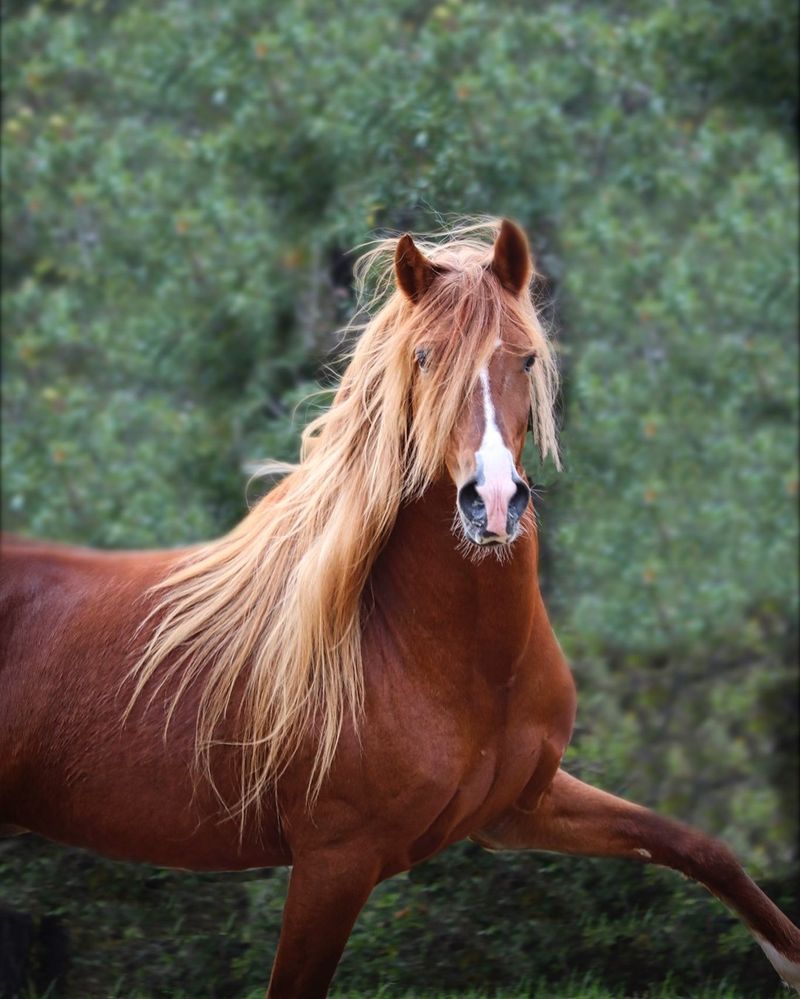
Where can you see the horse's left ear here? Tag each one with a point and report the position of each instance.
(512, 261)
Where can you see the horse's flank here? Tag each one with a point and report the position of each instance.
(273, 609)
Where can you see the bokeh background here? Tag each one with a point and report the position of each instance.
(183, 183)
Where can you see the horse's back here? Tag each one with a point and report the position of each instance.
(35, 579)
(47, 589)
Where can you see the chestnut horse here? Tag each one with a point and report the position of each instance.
(340, 684)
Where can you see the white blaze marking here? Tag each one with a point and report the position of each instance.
(788, 970)
(496, 464)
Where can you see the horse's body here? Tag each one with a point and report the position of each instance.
(468, 706)
(438, 765)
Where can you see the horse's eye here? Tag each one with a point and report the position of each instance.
(421, 354)
(529, 361)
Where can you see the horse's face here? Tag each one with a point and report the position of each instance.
(485, 451)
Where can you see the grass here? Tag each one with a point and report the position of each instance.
(583, 989)
(554, 992)
(580, 989)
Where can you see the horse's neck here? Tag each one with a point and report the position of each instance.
(432, 592)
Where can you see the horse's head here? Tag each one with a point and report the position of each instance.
(487, 349)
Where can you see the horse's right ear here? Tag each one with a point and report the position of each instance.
(413, 270)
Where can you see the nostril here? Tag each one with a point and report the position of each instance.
(519, 501)
(470, 503)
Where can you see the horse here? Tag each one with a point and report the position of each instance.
(362, 672)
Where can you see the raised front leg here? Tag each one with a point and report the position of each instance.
(327, 890)
(572, 817)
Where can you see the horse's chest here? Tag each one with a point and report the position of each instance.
(505, 762)
(489, 780)
(497, 766)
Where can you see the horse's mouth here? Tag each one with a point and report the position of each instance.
(476, 535)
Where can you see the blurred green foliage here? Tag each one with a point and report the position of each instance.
(181, 185)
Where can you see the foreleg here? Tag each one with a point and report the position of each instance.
(572, 817)
(327, 890)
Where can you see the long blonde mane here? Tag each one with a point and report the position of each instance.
(267, 619)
